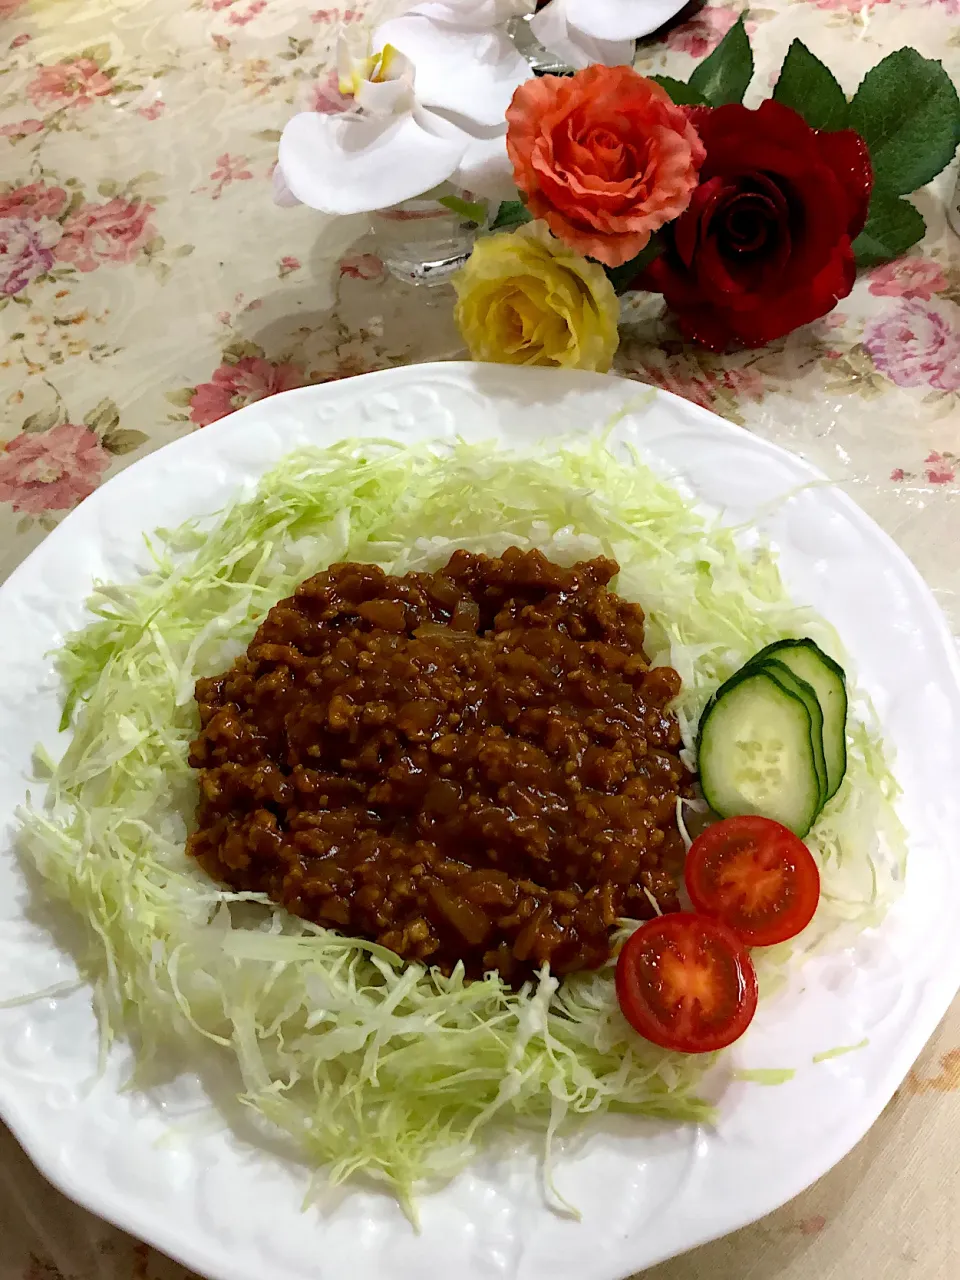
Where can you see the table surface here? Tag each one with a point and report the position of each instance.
(149, 286)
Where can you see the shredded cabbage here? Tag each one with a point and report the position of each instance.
(374, 1066)
(768, 1076)
(840, 1050)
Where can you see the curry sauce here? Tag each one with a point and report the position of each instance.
(472, 765)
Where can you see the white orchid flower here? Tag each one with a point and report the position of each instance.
(582, 32)
(430, 99)
(466, 63)
(619, 19)
(475, 15)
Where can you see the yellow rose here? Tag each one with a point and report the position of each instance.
(525, 298)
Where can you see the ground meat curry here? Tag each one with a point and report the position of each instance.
(475, 764)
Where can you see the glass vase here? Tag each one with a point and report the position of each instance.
(543, 62)
(422, 241)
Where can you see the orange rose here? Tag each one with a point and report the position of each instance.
(604, 157)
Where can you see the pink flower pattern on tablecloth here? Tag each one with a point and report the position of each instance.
(10, 7)
(917, 344)
(51, 470)
(940, 468)
(363, 266)
(703, 33)
(49, 230)
(29, 234)
(719, 390)
(235, 385)
(21, 129)
(26, 251)
(33, 200)
(228, 169)
(849, 6)
(111, 232)
(240, 18)
(335, 15)
(326, 98)
(912, 277)
(813, 1225)
(77, 82)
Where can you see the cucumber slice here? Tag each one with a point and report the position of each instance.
(805, 692)
(755, 752)
(826, 677)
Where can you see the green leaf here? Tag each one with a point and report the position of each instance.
(108, 187)
(98, 53)
(103, 417)
(811, 89)
(908, 113)
(724, 76)
(76, 200)
(42, 421)
(682, 94)
(268, 135)
(893, 225)
(181, 397)
(623, 277)
(237, 351)
(512, 213)
(475, 211)
(122, 441)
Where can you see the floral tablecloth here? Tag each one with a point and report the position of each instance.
(148, 286)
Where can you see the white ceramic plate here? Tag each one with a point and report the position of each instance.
(232, 1210)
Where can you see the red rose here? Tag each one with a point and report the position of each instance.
(765, 243)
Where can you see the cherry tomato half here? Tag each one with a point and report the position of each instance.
(755, 876)
(686, 982)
